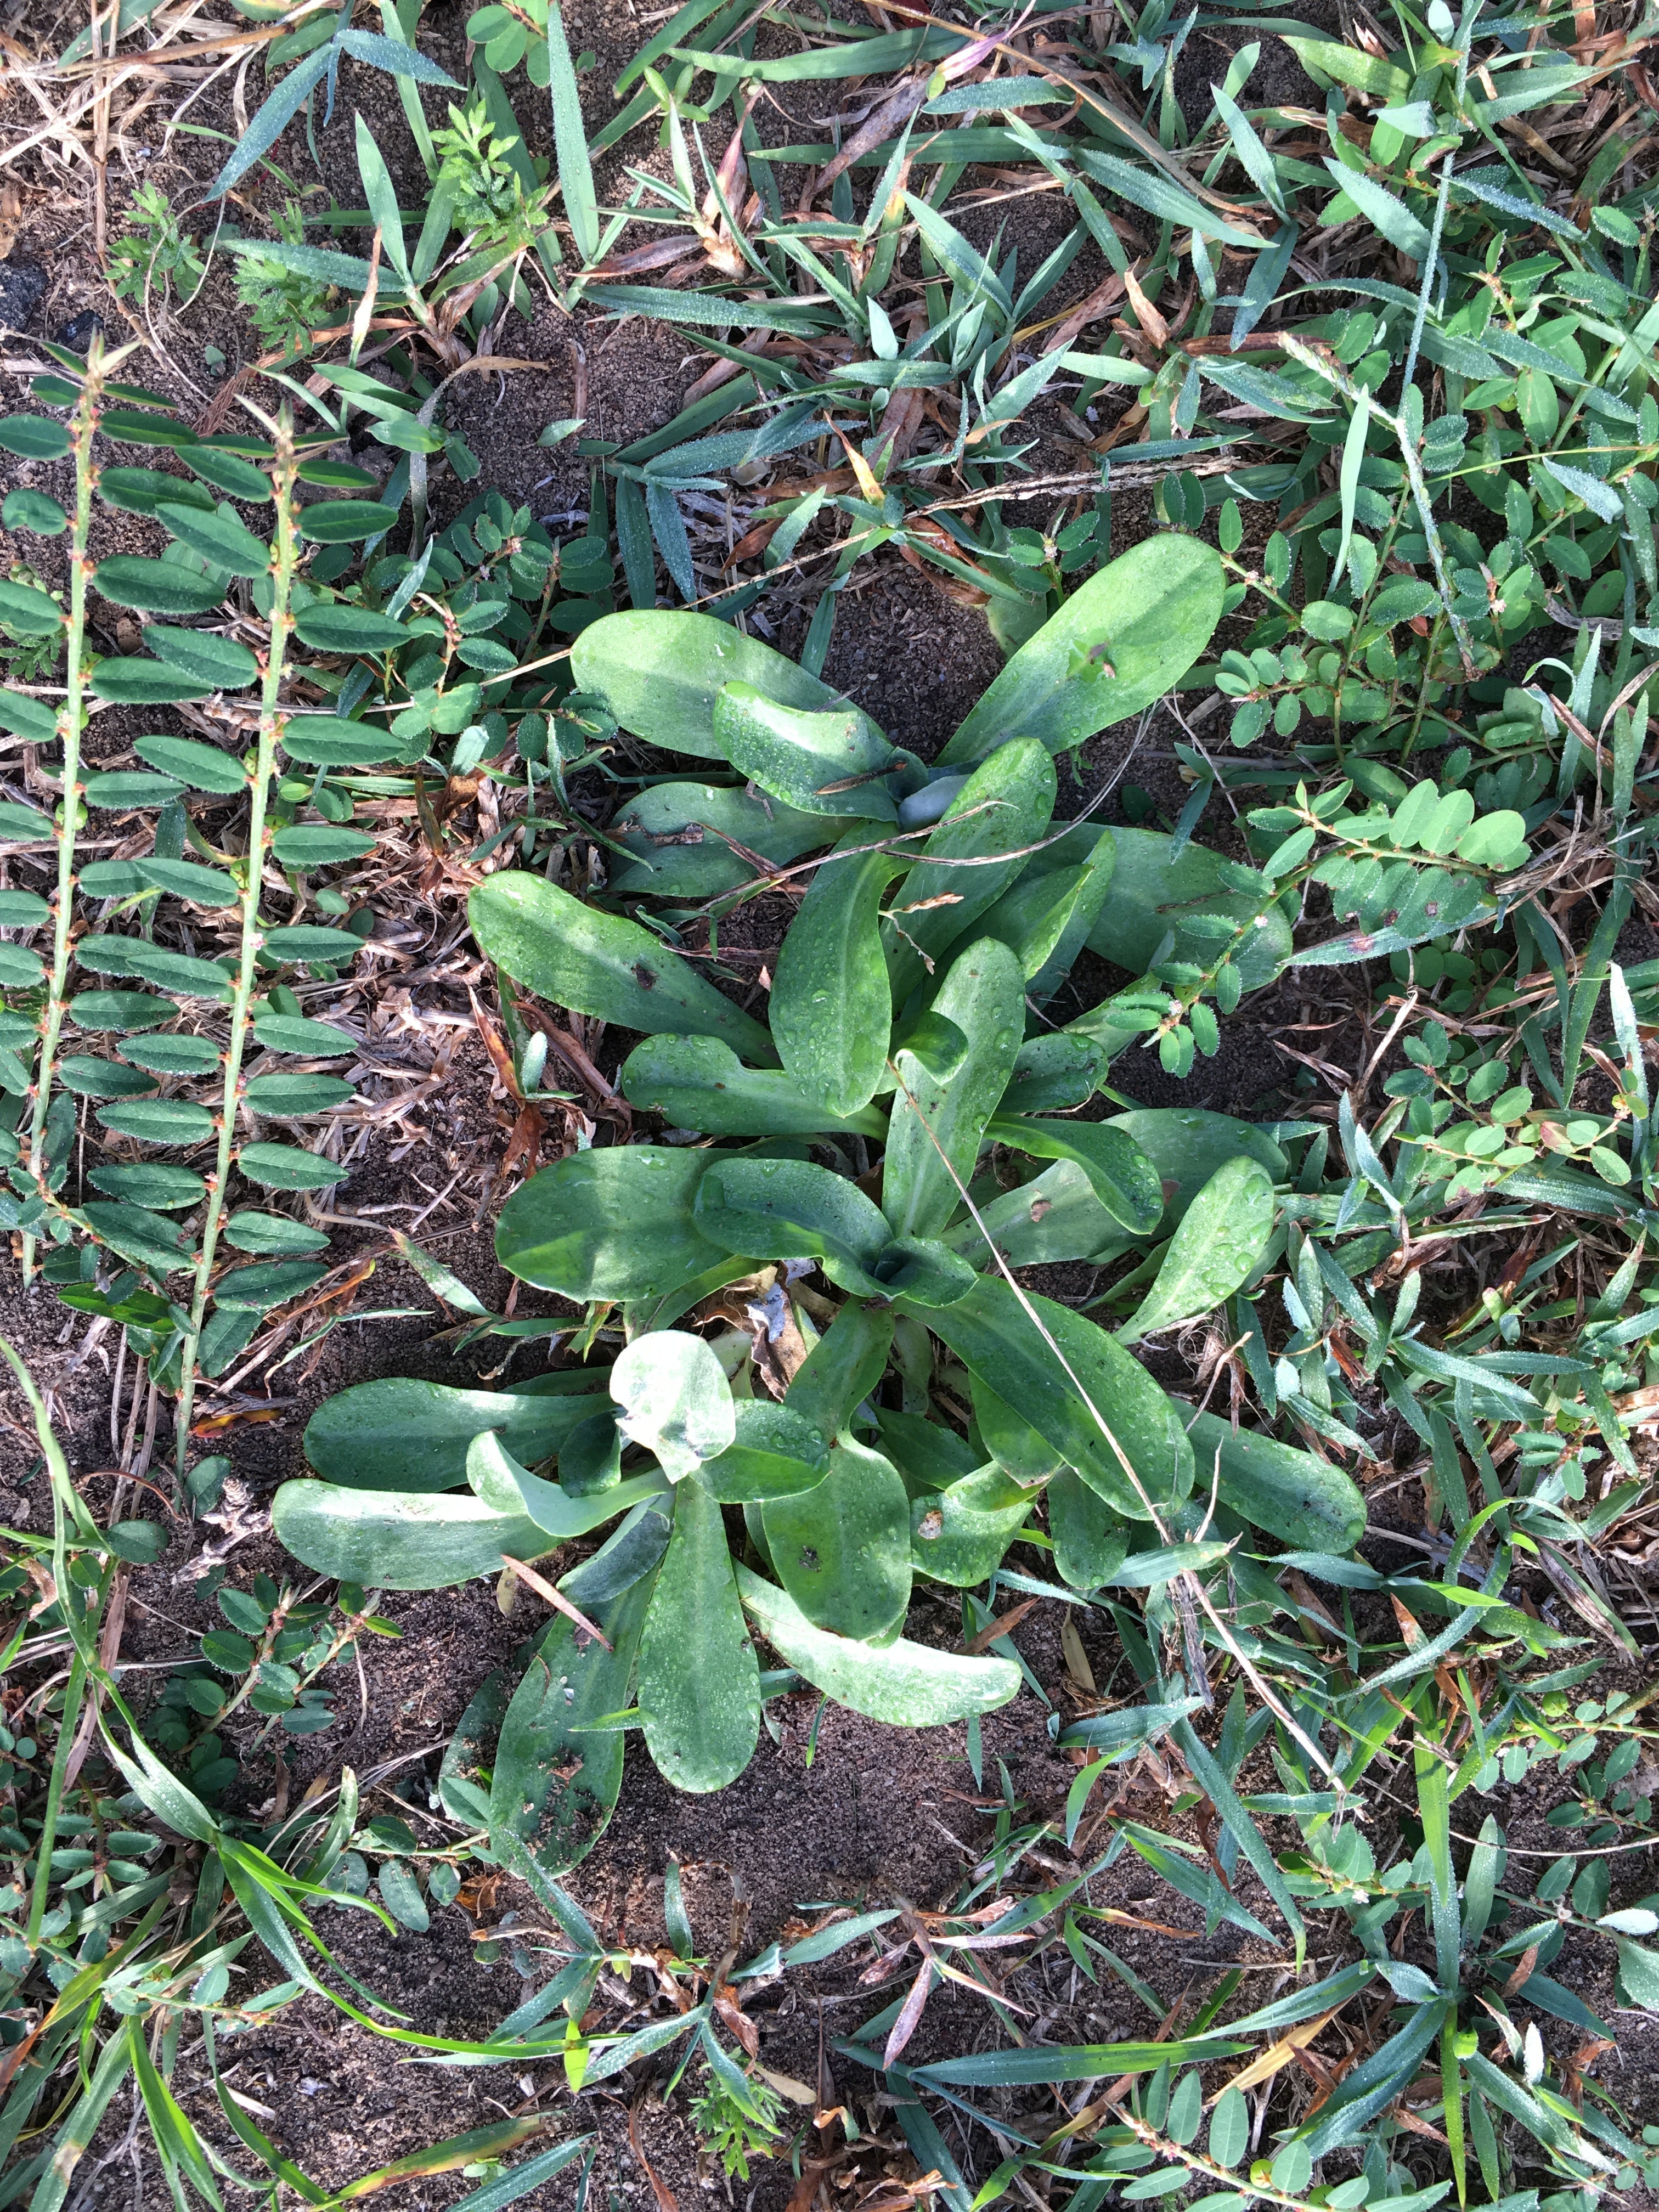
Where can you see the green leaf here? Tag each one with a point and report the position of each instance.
(1403, 599)
(258, 1290)
(26, 509)
(658, 672)
(777, 1451)
(1223, 1237)
(843, 1548)
(1496, 840)
(907, 1685)
(284, 1095)
(556, 1778)
(206, 887)
(158, 588)
(305, 942)
(614, 1224)
(1147, 617)
(1369, 73)
(1054, 1217)
(141, 683)
(960, 1534)
(1301, 1500)
(829, 762)
(387, 1539)
(1639, 1975)
(280, 1167)
(160, 1121)
(19, 967)
(199, 767)
(227, 472)
(33, 437)
(27, 612)
(1004, 807)
(293, 1033)
(991, 1335)
(699, 1083)
(1121, 1178)
(23, 824)
(675, 1400)
(400, 1434)
(1187, 1145)
(333, 627)
(141, 1542)
(571, 954)
(275, 1233)
(28, 718)
(328, 741)
(830, 1004)
(1033, 917)
(123, 789)
(400, 1894)
(570, 140)
(675, 832)
(843, 1367)
(176, 972)
(1090, 1539)
(765, 1209)
(1230, 2128)
(495, 1478)
(925, 1270)
(139, 1236)
(1383, 209)
(984, 994)
(154, 1184)
(699, 1679)
(318, 845)
(221, 539)
(1145, 188)
(90, 1076)
(141, 491)
(337, 523)
(1153, 894)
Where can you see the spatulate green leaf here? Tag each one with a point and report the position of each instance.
(1304, 1501)
(830, 1006)
(843, 1548)
(675, 1400)
(556, 1778)
(1002, 809)
(658, 672)
(984, 994)
(765, 1209)
(615, 1224)
(395, 1433)
(387, 1539)
(831, 762)
(1118, 642)
(1224, 1236)
(994, 1338)
(908, 1685)
(699, 1679)
(699, 1083)
(572, 955)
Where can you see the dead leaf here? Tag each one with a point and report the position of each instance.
(1076, 1658)
(1277, 2055)
(910, 2013)
(1522, 1974)
(1001, 1626)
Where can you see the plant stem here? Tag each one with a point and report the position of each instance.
(284, 561)
(70, 718)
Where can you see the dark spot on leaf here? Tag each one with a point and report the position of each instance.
(809, 1559)
(646, 977)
